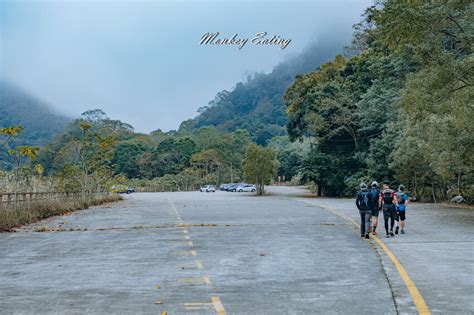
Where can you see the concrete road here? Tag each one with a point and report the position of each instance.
(234, 253)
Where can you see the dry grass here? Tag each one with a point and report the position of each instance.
(34, 211)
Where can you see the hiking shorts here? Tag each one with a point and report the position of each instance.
(375, 212)
(401, 216)
(389, 211)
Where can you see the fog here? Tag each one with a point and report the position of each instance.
(141, 61)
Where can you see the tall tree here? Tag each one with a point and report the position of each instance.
(259, 166)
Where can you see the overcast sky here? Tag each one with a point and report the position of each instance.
(141, 62)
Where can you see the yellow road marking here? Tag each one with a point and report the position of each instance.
(199, 306)
(218, 305)
(415, 294)
(216, 302)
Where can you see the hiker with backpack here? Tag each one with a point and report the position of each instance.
(374, 193)
(402, 198)
(389, 203)
(363, 203)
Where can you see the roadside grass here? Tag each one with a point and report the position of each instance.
(34, 211)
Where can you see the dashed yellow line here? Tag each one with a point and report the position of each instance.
(415, 294)
(218, 305)
(215, 301)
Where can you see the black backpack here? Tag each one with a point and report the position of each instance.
(387, 196)
(365, 199)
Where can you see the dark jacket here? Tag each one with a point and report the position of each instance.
(363, 200)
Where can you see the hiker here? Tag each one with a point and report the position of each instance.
(363, 204)
(403, 201)
(388, 202)
(374, 192)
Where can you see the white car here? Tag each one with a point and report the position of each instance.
(246, 188)
(207, 188)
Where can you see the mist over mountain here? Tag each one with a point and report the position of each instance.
(257, 104)
(18, 107)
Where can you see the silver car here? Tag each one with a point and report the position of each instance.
(246, 188)
(207, 188)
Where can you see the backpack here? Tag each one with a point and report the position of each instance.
(374, 197)
(400, 195)
(387, 196)
(365, 197)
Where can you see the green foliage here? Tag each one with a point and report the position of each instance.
(400, 108)
(259, 166)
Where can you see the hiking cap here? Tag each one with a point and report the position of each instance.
(374, 184)
(363, 186)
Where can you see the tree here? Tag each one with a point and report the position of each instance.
(20, 155)
(259, 166)
(207, 162)
(125, 159)
(6, 134)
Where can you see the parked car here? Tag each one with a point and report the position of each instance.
(223, 187)
(233, 187)
(207, 188)
(122, 189)
(246, 188)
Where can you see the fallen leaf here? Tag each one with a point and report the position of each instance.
(158, 286)
(158, 302)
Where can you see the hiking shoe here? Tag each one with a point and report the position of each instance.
(396, 230)
(387, 236)
(391, 234)
(367, 236)
(374, 233)
(402, 232)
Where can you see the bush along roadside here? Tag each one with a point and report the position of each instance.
(26, 213)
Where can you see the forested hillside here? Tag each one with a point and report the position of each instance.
(257, 105)
(40, 124)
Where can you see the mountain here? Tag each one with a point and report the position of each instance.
(18, 107)
(257, 105)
